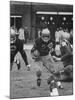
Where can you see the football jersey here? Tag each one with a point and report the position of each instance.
(67, 55)
(15, 44)
(43, 47)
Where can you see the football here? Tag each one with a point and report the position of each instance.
(35, 54)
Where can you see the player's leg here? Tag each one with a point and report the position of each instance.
(48, 63)
(67, 59)
(67, 73)
(51, 67)
(23, 53)
(12, 58)
(17, 61)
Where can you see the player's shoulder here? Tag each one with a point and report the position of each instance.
(38, 40)
(52, 40)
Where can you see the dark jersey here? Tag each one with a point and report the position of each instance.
(15, 44)
(71, 40)
(43, 47)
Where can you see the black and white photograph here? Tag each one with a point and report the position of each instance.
(41, 49)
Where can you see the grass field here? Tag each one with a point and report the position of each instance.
(23, 82)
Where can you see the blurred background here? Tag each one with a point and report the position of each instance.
(35, 16)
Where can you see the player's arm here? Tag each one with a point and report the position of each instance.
(33, 48)
(34, 51)
(52, 48)
(53, 54)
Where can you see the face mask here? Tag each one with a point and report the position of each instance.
(45, 38)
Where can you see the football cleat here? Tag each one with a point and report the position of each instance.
(38, 82)
(28, 67)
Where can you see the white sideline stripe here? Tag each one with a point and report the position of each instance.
(28, 47)
(56, 13)
(65, 13)
(43, 12)
(16, 16)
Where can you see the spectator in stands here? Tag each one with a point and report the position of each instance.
(26, 34)
(21, 34)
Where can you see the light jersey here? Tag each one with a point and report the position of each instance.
(43, 47)
(12, 31)
(59, 36)
(21, 34)
(12, 39)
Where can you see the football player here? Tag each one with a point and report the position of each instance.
(16, 45)
(43, 46)
(43, 50)
(66, 54)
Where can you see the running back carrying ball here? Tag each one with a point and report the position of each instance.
(43, 45)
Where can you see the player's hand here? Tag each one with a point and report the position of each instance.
(35, 54)
(56, 58)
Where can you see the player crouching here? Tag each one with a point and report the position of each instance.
(66, 73)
